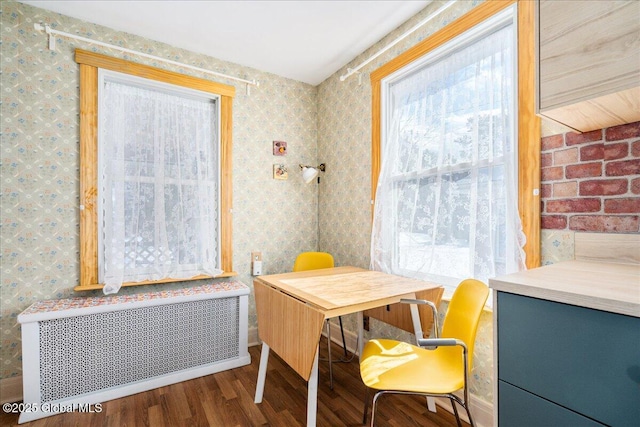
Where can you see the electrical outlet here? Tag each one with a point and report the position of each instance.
(256, 263)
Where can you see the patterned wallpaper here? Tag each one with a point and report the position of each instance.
(40, 169)
(330, 123)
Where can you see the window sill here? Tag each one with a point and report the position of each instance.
(98, 286)
(487, 307)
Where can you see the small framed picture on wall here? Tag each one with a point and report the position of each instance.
(279, 148)
(280, 171)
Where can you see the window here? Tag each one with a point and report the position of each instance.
(447, 164)
(155, 181)
(158, 175)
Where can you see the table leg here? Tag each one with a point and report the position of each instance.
(262, 372)
(312, 393)
(417, 325)
(360, 320)
(329, 352)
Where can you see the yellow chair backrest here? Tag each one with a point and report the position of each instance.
(313, 261)
(463, 315)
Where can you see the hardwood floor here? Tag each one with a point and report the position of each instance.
(225, 399)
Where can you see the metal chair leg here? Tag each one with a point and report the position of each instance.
(329, 349)
(466, 408)
(367, 396)
(373, 406)
(455, 411)
(344, 342)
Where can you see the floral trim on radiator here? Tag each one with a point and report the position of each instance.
(74, 303)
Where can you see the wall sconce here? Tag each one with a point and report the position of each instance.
(309, 172)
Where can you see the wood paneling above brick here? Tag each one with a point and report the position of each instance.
(591, 181)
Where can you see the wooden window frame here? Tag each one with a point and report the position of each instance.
(528, 123)
(89, 63)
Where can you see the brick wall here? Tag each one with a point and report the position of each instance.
(591, 180)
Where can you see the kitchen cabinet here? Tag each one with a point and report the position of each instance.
(588, 60)
(568, 345)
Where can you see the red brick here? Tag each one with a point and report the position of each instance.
(629, 130)
(545, 190)
(552, 174)
(551, 142)
(635, 148)
(624, 205)
(603, 187)
(584, 170)
(565, 157)
(635, 186)
(574, 138)
(623, 168)
(592, 152)
(586, 223)
(604, 223)
(553, 222)
(616, 151)
(565, 189)
(546, 160)
(574, 205)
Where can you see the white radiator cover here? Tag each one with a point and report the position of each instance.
(88, 350)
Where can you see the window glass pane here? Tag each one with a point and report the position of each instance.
(447, 181)
(160, 166)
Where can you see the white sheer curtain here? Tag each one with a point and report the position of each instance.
(158, 185)
(446, 202)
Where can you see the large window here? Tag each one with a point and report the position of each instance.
(446, 202)
(155, 175)
(158, 175)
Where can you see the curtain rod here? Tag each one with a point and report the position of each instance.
(52, 46)
(352, 71)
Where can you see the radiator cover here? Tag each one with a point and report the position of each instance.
(88, 350)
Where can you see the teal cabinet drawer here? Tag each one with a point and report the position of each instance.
(582, 359)
(519, 408)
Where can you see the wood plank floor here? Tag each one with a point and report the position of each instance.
(225, 399)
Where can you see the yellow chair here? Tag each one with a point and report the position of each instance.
(315, 261)
(439, 366)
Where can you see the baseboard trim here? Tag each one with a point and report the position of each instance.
(11, 389)
(481, 410)
(350, 338)
(252, 337)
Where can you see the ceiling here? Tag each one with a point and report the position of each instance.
(304, 40)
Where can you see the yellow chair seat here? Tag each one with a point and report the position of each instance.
(396, 365)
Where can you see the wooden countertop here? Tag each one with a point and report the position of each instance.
(598, 285)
